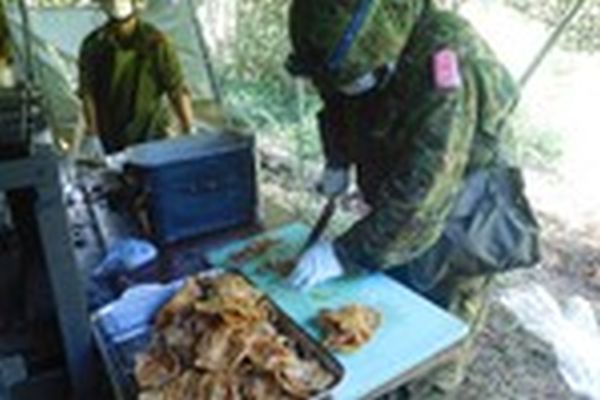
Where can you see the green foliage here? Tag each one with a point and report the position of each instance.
(259, 91)
(584, 33)
(536, 145)
(262, 43)
(281, 111)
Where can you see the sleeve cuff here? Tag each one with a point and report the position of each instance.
(352, 261)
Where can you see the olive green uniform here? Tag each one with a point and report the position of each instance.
(127, 81)
(5, 50)
(414, 145)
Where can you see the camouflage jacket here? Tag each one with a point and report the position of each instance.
(413, 143)
(127, 81)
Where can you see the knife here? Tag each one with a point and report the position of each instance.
(321, 224)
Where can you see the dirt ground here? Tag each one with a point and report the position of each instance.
(512, 363)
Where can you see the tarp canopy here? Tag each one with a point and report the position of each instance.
(58, 33)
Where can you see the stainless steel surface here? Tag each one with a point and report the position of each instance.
(40, 173)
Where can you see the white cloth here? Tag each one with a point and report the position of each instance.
(135, 309)
(573, 331)
(319, 264)
(333, 182)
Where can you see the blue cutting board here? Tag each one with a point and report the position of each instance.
(413, 330)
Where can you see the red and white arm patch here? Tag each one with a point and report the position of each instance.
(446, 70)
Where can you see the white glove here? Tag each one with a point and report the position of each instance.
(91, 148)
(333, 182)
(116, 162)
(126, 255)
(317, 265)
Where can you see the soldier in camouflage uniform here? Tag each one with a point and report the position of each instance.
(418, 104)
(125, 69)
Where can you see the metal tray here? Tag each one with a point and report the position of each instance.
(119, 357)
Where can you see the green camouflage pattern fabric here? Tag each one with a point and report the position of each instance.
(316, 27)
(413, 144)
(471, 305)
(5, 49)
(128, 81)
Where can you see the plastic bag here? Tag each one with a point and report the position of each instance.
(572, 330)
(134, 310)
(126, 255)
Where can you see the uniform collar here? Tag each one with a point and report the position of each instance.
(128, 42)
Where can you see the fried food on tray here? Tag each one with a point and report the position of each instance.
(253, 250)
(219, 349)
(350, 327)
(152, 395)
(181, 303)
(183, 387)
(156, 367)
(299, 377)
(219, 339)
(257, 385)
(219, 386)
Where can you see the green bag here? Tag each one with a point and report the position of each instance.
(492, 228)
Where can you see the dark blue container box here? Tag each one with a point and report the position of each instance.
(197, 184)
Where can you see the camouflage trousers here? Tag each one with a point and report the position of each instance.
(466, 298)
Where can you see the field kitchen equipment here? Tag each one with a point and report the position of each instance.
(195, 184)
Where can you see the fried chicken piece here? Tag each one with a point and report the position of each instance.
(302, 378)
(156, 367)
(262, 386)
(267, 352)
(234, 287)
(236, 302)
(350, 327)
(156, 394)
(220, 349)
(182, 388)
(181, 303)
(218, 386)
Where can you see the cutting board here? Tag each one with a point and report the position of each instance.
(413, 330)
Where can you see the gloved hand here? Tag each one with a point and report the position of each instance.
(317, 265)
(333, 182)
(125, 256)
(116, 162)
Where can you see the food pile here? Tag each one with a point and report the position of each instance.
(350, 327)
(219, 338)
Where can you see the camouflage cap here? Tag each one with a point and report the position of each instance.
(341, 40)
